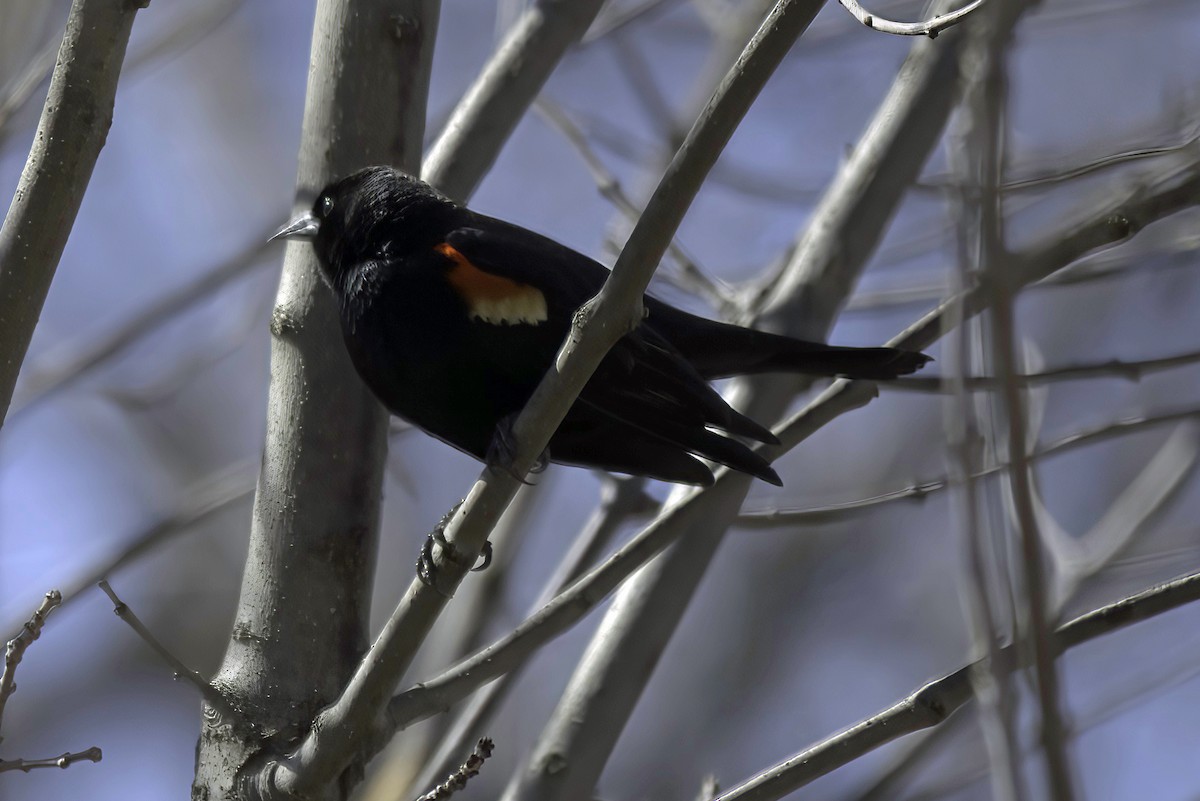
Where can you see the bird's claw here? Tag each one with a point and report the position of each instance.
(486, 556)
(427, 570)
(502, 452)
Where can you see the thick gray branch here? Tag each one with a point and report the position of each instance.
(306, 587)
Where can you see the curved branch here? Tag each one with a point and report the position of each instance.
(931, 27)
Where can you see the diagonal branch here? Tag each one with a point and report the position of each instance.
(212, 696)
(71, 133)
(495, 103)
(61, 367)
(932, 704)
(691, 277)
(768, 518)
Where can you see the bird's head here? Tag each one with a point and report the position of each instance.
(375, 213)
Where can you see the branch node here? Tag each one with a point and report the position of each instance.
(211, 694)
(469, 769)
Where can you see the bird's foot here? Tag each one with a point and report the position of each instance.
(427, 570)
(502, 452)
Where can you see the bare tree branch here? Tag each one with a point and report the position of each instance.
(932, 704)
(316, 513)
(61, 367)
(770, 518)
(692, 277)
(512, 78)
(72, 130)
(14, 652)
(198, 502)
(930, 28)
(68, 759)
(211, 695)
(16, 93)
(621, 500)
(1132, 370)
(467, 771)
(615, 17)
(1077, 560)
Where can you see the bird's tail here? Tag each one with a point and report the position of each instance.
(720, 350)
(876, 364)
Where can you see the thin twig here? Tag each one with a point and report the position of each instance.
(19, 90)
(693, 277)
(1129, 370)
(170, 44)
(1077, 559)
(1059, 175)
(92, 754)
(614, 17)
(933, 703)
(181, 671)
(771, 518)
(931, 27)
(14, 651)
(469, 769)
(198, 502)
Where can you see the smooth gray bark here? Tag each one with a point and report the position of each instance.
(301, 623)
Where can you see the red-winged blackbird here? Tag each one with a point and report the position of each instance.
(452, 318)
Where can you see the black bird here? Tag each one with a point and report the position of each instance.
(452, 318)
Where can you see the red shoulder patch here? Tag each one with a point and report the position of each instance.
(493, 298)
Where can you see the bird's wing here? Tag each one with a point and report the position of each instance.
(644, 382)
(566, 278)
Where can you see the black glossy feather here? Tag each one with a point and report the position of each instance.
(452, 318)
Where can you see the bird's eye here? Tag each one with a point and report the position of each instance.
(326, 205)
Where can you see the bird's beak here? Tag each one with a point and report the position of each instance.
(303, 227)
